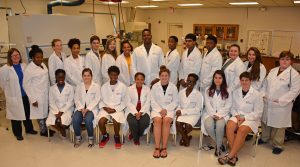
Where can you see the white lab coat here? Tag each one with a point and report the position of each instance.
(91, 98)
(211, 62)
(275, 87)
(116, 99)
(55, 63)
(36, 85)
(251, 106)
(172, 62)
(9, 82)
(258, 84)
(233, 72)
(190, 106)
(147, 64)
(190, 64)
(124, 70)
(107, 61)
(74, 70)
(93, 62)
(168, 101)
(61, 102)
(216, 106)
(133, 99)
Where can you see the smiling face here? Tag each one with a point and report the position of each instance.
(126, 49)
(172, 44)
(87, 77)
(245, 83)
(112, 45)
(38, 59)
(57, 47)
(95, 45)
(75, 50)
(285, 62)
(218, 80)
(251, 56)
(210, 44)
(60, 78)
(234, 52)
(139, 81)
(147, 37)
(15, 57)
(191, 82)
(113, 76)
(164, 78)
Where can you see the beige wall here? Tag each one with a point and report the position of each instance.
(284, 19)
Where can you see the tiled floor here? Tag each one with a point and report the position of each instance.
(36, 151)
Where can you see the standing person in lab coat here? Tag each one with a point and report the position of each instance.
(164, 101)
(188, 111)
(281, 88)
(147, 59)
(114, 101)
(87, 97)
(61, 103)
(212, 61)
(218, 101)
(109, 58)
(246, 111)
(138, 108)
(36, 85)
(11, 82)
(93, 59)
(172, 59)
(255, 67)
(190, 61)
(74, 64)
(56, 59)
(124, 62)
(233, 67)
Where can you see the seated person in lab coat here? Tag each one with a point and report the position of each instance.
(87, 97)
(246, 111)
(11, 82)
(56, 60)
(138, 108)
(36, 85)
(74, 64)
(61, 103)
(218, 101)
(172, 59)
(164, 101)
(255, 67)
(188, 111)
(112, 105)
(281, 87)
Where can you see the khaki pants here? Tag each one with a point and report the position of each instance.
(274, 135)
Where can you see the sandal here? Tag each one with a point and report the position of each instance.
(155, 155)
(77, 143)
(91, 143)
(165, 151)
(233, 161)
(224, 160)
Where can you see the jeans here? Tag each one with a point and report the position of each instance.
(137, 127)
(88, 120)
(215, 129)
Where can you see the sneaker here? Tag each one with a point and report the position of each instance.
(105, 139)
(77, 142)
(19, 138)
(118, 144)
(260, 141)
(32, 132)
(91, 142)
(137, 143)
(277, 151)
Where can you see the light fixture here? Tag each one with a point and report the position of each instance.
(296, 1)
(114, 3)
(147, 6)
(159, 0)
(243, 3)
(190, 4)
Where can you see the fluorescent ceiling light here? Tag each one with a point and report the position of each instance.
(159, 0)
(113, 3)
(190, 4)
(243, 3)
(147, 6)
(296, 1)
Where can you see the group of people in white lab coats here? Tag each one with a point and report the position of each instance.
(140, 87)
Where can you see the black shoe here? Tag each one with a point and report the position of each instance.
(249, 137)
(45, 134)
(20, 138)
(260, 141)
(222, 148)
(51, 132)
(32, 132)
(277, 150)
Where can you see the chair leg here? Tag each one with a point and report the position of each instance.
(174, 139)
(257, 136)
(200, 140)
(148, 137)
(48, 130)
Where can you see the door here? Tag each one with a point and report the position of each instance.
(176, 29)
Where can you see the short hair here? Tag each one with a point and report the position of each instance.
(35, 50)
(9, 53)
(191, 36)
(236, 45)
(195, 76)
(245, 75)
(113, 69)
(126, 42)
(213, 38)
(139, 73)
(175, 38)
(146, 29)
(60, 71)
(286, 54)
(87, 70)
(163, 68)
(93, 38)
(72, 42)
(54, 41)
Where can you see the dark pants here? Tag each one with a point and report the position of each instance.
(137, 127)
(17, 126)
(88, 120)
